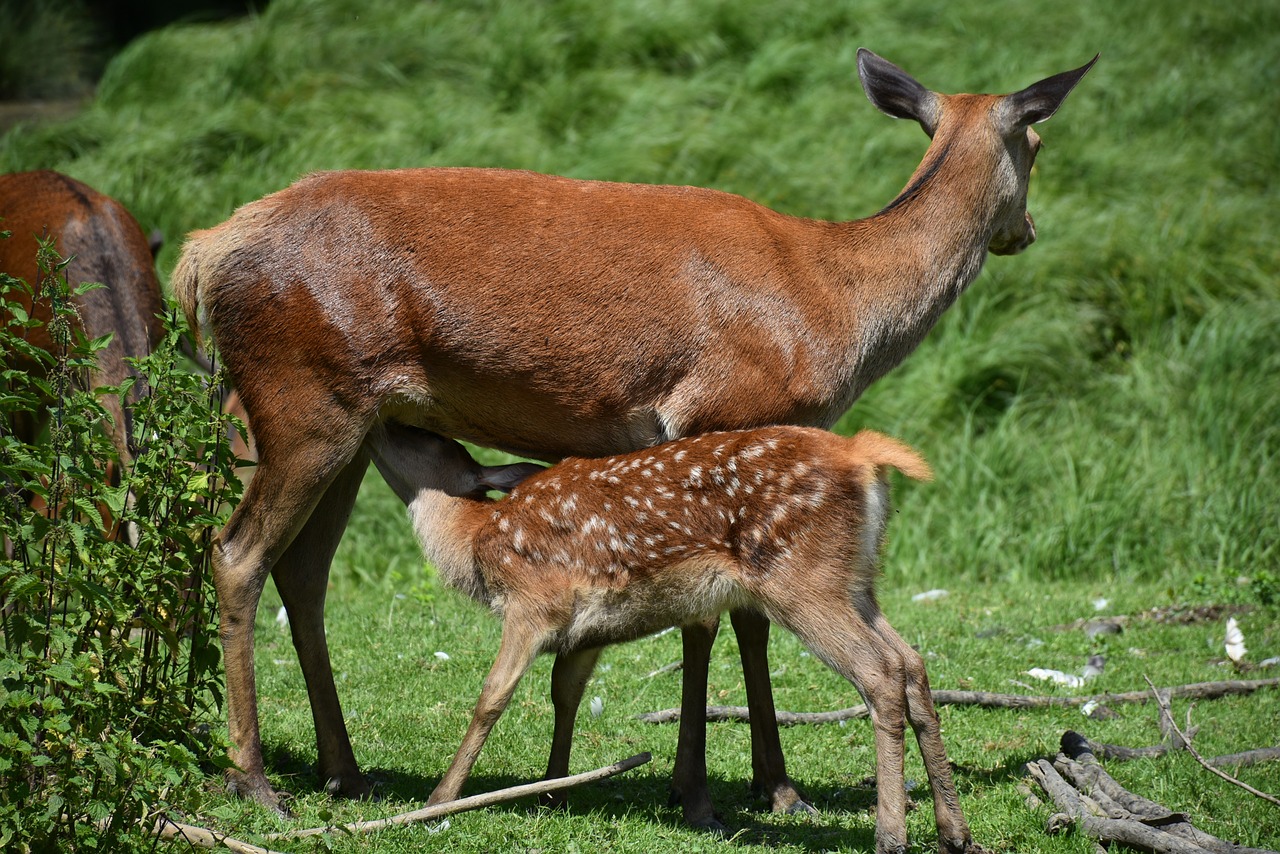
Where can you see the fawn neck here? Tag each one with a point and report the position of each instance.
(446, 527)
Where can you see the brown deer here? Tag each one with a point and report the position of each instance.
(788, 521)
(107, 245)
(554, 317)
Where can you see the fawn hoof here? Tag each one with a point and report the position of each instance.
(890, 845)
(963, 845)
(254, 787)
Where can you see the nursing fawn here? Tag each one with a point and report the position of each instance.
(787, 521)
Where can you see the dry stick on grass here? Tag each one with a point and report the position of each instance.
(472, 803)
(1196, 691)
(1078, 763)
(1120, 753)
(1164, 710)
(201, 837)
(1086, 813)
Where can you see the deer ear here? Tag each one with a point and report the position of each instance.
(896, 93)
(1040, 100)
(506, 478)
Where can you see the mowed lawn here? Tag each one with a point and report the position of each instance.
(1103, 411)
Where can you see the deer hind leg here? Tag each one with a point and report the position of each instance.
(768, 767)
(290, 481)
(953, 830)
(302, 575)
(569, 677)
(521, 639)
(842, 637)
(689, 781)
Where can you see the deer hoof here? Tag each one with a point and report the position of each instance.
(256, 788)
(352, 786)
(800, 807)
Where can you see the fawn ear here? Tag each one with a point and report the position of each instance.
(1040, 100)
(506, 478)
(896, 93)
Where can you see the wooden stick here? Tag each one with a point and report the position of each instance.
(1079, 764)
(1127, 831)
(474, 802)
(1196, 691)
(201, 837)
(1164, 710)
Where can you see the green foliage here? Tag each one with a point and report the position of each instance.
(110, 660)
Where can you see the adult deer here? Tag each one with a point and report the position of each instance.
(107, 246)
(787, 520)
(552, 317)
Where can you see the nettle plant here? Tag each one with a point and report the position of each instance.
(110, 665)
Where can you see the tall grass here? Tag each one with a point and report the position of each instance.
(1104, 404)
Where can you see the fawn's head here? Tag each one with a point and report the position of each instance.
(413, 460)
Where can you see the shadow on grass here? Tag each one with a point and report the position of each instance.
(632, 795)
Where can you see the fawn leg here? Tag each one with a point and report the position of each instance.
(839, 634)
(520, 641)
(953, 831)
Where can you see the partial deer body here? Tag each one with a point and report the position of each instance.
(109, 247)
(588, 553)
(553, 318)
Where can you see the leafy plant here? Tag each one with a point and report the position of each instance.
(110, 661)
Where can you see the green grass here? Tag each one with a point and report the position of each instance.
(1102, 411)
(407, 710)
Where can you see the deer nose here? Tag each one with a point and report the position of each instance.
(1017, 243)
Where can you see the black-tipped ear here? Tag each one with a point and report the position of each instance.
(1040, 100)
(507, 478)
(896, 93)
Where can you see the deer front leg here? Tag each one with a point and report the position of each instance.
(689, 782)
(768, 767)
(569, 678)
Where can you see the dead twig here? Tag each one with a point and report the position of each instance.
(1168, 715)
(1195, 691)
(201, 837)
(1120, 753)
(1092, 820)
(472, 803)
(1079, 764)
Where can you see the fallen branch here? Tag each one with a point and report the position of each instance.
(201, 837)
(1081, 766)
(1087, 815)
(1168, 716)
(1120, 753)
(472, 803)
(1100, 807)
(1195, 691)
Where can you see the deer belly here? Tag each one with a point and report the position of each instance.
(679, 595)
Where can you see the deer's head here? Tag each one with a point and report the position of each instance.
(990, 134)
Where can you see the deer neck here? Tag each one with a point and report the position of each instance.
(446, 527)
(907, 264)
